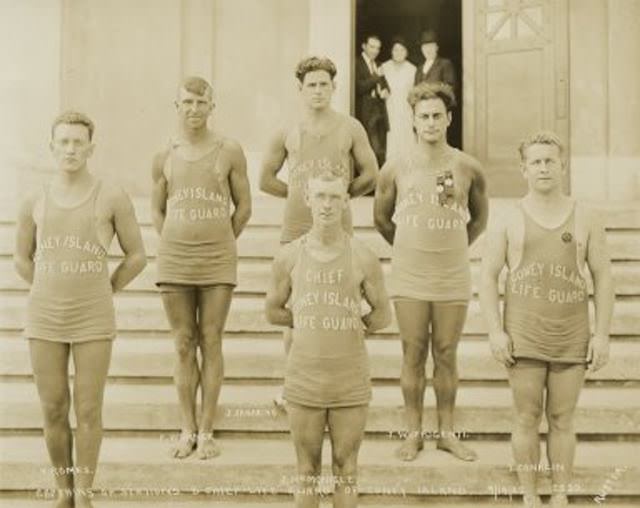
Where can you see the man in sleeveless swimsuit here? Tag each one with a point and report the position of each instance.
(546, 242)
(316, 287)
(63, 237)
(431, 205)
(322, 139)
(195, 182)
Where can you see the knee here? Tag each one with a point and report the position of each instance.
(88, 415)
(444, 358)
(186, 342)
(560, 421)
(56, 413)
(309, 468)
(414, 361)
(211, 337)
(529, 418)
(344, 464)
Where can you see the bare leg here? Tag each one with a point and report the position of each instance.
(91, 361)
(346, 428)
(413, 320)
(180, 307)
(563, 388)
(307, 431)
(527, 379)
(447, 322)
(213, 305)
(50, 362)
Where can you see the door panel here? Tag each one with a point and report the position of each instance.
(519, 82)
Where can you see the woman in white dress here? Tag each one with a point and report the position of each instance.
(400, 75)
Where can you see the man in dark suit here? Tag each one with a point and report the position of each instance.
(434, 68)
(371, 92)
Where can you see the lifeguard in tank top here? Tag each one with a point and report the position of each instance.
(197, 244)
(71, 298)
(430, 249)
(328, 364)
(310, 154)
(546, 295)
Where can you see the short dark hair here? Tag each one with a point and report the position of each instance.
(425, 91)
(398, 39)
(197, 85)
(315, 63)
(540, 138)
(73, 118)
(371, 36)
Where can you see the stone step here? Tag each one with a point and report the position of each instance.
(264, 359)
(125, 500)
(145, 312)
(253, 277)
(248, 408)
(267, 465)
(263, 242)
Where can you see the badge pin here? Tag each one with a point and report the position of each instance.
(567, 237)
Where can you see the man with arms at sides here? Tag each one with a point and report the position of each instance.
(431, 205)
(316, 286)
(546, 242)
(195, 182)
(372, 90)
(63, 236)
(322, 139)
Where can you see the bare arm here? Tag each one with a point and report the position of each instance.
(599, 263)
(374, 292)
(493, 261)
(280, 289)
(240, 189)
(478, 205)
(158, 191)
(365, 162)
(128, 233)
(384, 203)
(25, 240)
(274, 158)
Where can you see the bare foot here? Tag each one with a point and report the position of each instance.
(558, 501)
(83, 498)
(185, 446)
(207, 446)
(280, 404)
(531, 501)
(64, 499)
(453, 445)
(409, 449)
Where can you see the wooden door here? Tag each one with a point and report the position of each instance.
(516, 55)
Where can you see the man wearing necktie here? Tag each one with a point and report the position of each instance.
(371, 92)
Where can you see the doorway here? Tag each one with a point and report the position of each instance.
(409, 19)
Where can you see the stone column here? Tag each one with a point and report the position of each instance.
(29, 95)
(330, 34)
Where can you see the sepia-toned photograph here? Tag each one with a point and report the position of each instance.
(319, 253)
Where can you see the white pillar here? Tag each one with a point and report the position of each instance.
(330, 35)
(29, 95)
(197, 43)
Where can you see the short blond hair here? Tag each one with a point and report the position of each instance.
(73, 118)
(329, 174)
(540, 138)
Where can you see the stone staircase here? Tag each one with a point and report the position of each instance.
(258, 462)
